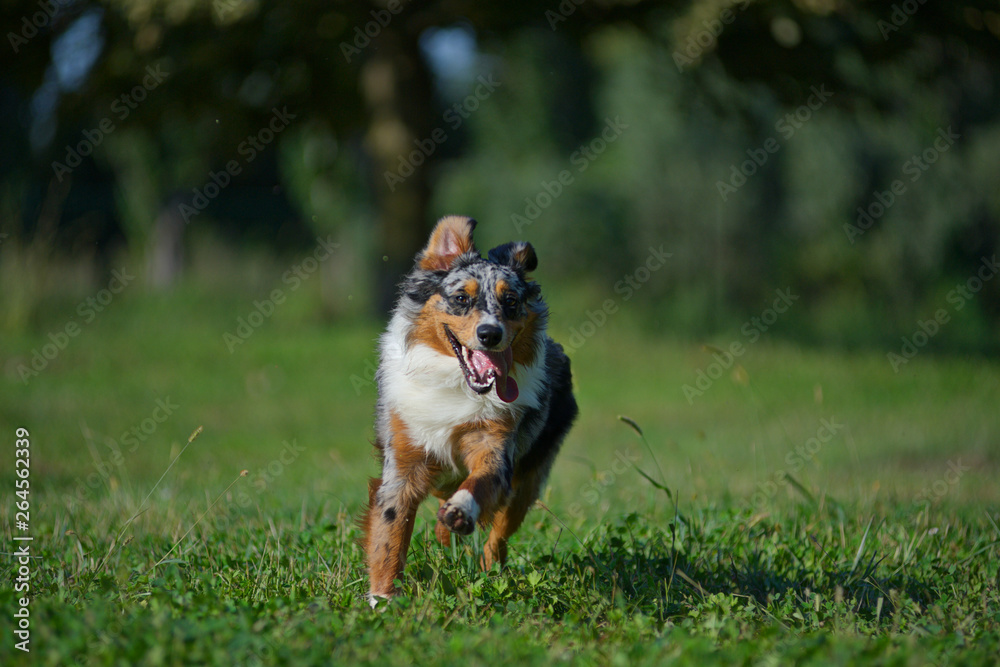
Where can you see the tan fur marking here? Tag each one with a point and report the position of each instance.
(429, 327)
(365, 520)
(523, 254)
(480, 447)
(474, 440)
(412, 463)
(429, 330)
(451, 237)
(523, 348)
(508, 519)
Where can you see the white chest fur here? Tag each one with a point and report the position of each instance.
(429, 393)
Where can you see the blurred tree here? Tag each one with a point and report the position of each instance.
(226, 65)
(357, 92)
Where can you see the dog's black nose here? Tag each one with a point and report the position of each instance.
(489, 334)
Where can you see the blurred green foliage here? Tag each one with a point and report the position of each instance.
(764, 145)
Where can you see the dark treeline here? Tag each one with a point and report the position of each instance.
(845, 152)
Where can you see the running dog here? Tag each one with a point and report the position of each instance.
(474, 400)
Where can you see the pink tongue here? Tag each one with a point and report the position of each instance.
(500, 363)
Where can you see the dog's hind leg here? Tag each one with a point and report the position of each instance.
(507, 520)
(533, 469)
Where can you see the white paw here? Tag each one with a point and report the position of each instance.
(460, 513)
(374, 600)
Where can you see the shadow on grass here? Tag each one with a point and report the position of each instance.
(771, 564)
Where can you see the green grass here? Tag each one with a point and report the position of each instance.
(865, 548)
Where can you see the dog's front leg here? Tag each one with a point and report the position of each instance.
(392, 507)
(390, 527)
(484, 491)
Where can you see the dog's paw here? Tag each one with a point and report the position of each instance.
(376, 601)
(455, 519)
(459, 514)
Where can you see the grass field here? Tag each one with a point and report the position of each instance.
(822, 509)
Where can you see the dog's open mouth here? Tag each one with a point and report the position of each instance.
(484, 369)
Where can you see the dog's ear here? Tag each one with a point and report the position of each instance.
(451, 238)
(519, 255)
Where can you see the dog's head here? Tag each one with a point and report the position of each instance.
(483, 312)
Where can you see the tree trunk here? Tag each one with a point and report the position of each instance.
(165, 258)
(397, 88)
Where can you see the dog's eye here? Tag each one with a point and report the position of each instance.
(461, 299)
(510, 303)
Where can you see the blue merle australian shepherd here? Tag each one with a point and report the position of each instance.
(474, 400)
